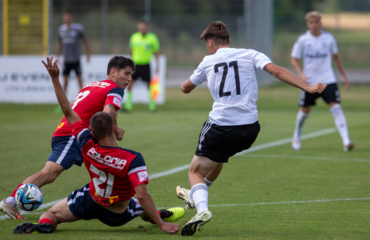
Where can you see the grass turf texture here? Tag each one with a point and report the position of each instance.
(168, 138)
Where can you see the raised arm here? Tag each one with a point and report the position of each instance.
(285, 76)
(146, 201)
(113, 111)
(338, 61)
(54, 71)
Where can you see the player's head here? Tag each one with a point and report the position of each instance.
(67, 17)
(142, 27)
(102, 125)
(120, 70)
(313, 20)
(215, 35)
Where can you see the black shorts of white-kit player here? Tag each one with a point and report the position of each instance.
(329, 95)
(218, 143)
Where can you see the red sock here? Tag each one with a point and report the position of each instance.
(159, 212)
(13, 194)
(46, 220)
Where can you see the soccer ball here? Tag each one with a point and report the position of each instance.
(29, 197)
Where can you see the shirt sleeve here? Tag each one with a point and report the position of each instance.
(199, 76)
(131, 39)
(114, 97)
(155, 44)
(260, 60)
(297, 50)
(81, 132)
(137, 171)
(333, 47)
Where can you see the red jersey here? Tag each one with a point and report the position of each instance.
(90, 100)
(114, 171)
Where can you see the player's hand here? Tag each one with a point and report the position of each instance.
(169, 227)
(52, 68)
(119, 134)
(87, 58)
(347, 85)
(317, 88)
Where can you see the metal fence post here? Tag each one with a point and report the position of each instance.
(1, 27)
(104, 25)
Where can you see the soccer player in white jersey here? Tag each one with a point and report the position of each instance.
(233, 122)
(317, 48)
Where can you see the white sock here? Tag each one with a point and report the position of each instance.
(209, 183)
(11, 200)
(301, 118)
(341, 123)
(199, 193)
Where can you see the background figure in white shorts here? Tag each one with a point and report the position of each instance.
(233, 122)
(317, 47)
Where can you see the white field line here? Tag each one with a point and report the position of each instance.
(308, 157)
(292, 202)
(184, 167)
(287, 140)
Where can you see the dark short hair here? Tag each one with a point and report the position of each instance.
(120, 62)
(216, 31)
(101, 124)
(68, 11)
(144, 21)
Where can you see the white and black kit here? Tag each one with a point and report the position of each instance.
(233, 122)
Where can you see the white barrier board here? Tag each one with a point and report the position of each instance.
(24, 79)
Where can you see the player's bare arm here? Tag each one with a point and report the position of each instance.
(146, 201)
(285, 76)
(297, 68)
(54, 71)
(156, 54)
(87, 48)
(187, 86)
(338, 61)
(113, 111)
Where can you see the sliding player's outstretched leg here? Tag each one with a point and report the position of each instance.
(27, 228)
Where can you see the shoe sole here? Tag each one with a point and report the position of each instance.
(27, 228)
(191, 227)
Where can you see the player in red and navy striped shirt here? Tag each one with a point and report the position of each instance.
(104, 96)
(116, 174)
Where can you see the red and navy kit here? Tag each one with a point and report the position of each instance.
(90, 100)
(114, 171)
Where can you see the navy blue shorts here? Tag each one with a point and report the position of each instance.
(66, 152)
(83, 206)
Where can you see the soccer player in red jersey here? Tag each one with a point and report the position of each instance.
(116, 175)
(103, 96)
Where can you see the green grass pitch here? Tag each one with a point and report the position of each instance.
(256, 195)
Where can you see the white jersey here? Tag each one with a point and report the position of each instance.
(316, 53)
(232, 82)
